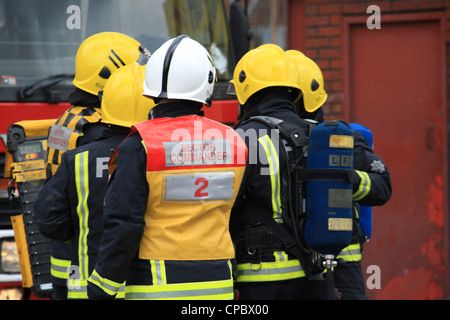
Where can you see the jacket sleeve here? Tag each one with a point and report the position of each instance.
(123, 220)
(262, 177)
(372, 183)
(52, 207)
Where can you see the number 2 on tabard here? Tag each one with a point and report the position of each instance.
(208, 186)
(203, 182)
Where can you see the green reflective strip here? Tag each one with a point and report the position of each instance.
(109, 286)
(269, 271)
(364, 186)
(274, 169)
(351, 253)
(82, 186)
(158, 272)
(208, 290)
(59, 268)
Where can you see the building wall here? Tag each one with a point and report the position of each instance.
(316, 28)
(403, 132)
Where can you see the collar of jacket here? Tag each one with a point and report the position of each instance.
(270, 107)
(175, 109)
(82, 98)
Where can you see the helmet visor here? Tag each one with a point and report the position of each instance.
(144, 55)
(231, 90)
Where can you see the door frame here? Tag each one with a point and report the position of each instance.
(438, 16)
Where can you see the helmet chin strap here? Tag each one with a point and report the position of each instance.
(208, 102)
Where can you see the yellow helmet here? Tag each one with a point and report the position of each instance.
(310, 81)
(123, 103)
(100, 55)
(263, 67)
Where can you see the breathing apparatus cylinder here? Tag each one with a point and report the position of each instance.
(328, 226)
(365, 212)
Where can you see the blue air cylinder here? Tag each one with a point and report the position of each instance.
(365, 212)
(329, 223)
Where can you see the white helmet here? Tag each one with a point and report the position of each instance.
(180, 69)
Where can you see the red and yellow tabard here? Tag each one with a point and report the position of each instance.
(194, 169)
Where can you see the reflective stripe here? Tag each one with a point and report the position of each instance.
(351, 253)
(109, 286)
(82, 186)
(274, 169)
(158, 272)
(78, 290)
(208, 290)
(269, 271)
(280, 255)
(59, 268)
(364, 186)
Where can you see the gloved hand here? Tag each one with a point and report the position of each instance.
(95, 293)
(355, 179)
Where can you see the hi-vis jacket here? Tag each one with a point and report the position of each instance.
(70, 206)
(176, 243)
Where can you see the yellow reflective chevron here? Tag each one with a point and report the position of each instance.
(364, 186)
(274, 169)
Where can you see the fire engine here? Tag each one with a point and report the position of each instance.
(38, 43)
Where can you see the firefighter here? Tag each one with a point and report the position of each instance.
(70, 206)
(371, 187)
(96, 59)
(265, 81)
(173, 183)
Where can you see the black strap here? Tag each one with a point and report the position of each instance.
(290, 244)
(297, 139)
(325, 175)
(289, 131)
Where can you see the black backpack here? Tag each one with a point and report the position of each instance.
(292, 195)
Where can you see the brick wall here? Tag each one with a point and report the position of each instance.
(323, 36)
